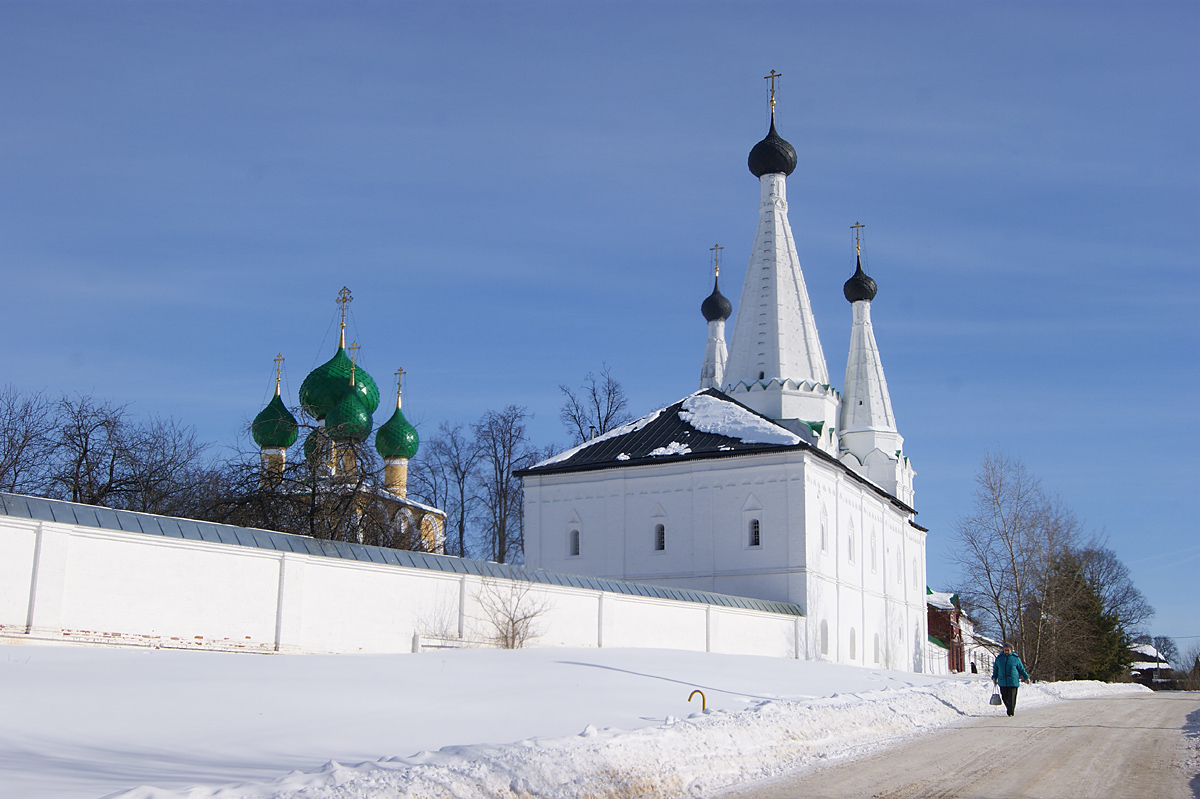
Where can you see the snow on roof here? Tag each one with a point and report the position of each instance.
(1152, 654)
(710, 414)
(704, 424)
(631, 427)
(940, 599)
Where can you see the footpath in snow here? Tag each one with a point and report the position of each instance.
(86, 722)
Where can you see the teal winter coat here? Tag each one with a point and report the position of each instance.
(1008, 670)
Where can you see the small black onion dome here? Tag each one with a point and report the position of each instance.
(860, 286)
(716, 306)
(772, 155)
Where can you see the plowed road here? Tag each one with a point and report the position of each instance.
(1142, 746)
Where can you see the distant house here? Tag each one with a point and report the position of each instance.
(954, 645)
(1150, 668)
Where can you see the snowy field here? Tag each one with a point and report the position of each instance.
(90, 722)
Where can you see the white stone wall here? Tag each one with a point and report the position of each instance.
(61, 582)
(706, 507)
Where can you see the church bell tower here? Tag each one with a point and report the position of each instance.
(776, 365)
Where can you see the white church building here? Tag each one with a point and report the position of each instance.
(766, 483)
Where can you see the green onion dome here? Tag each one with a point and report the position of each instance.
(315, 445)
(396, 438)
(274, 427)
(349, 419)
(326, 384)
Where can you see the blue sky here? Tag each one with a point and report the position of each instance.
(519, 192)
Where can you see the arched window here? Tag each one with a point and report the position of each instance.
(876, 647)
(850, 542)
(660, 538)
(853, 644)
(824, 637)
(573, 544)
(824, 530)
(755, 538)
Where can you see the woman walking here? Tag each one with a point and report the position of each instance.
(1008, 672)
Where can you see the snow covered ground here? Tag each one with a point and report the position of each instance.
(87, 722)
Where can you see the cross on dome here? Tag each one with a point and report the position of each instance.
(772, 78)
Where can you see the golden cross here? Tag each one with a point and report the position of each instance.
(716, 251)
(354, 348)
(857, 227)
(278, 371)
(343, 299)
(400, 373)
(772, 78)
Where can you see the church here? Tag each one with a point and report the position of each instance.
(767, 482)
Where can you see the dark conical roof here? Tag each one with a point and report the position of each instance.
(860, 286)
(716, 306)
(772, 155)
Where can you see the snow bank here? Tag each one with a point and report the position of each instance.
(711, 415)
(697, 756)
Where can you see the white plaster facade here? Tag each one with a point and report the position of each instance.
(776, 365)
(870, 442)
(826, 541)
(712, 371)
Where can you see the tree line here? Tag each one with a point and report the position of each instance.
(468, 469)
(82, 449)
(1031, 575)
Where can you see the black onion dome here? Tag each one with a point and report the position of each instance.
(772, 154)
(860, 286)
(716, 306)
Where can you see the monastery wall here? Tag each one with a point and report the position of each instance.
(71, 583)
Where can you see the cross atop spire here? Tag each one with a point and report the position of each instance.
(772, 78)
(278, 371)
(343, 299)
(400, 373)
(354, 348)
(857, 228)
(716, 251)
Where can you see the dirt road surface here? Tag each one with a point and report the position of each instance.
(1143, 746)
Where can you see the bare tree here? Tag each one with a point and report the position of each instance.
(167, 468)
(599, 406)
(512, 611)
(447, 476)
(1188, 675)
(1032, 577)
(1119, 597)
(26, 441)
(997, 544)
(92, 456)
(1167, 648)
(503, 448)
(337, 494)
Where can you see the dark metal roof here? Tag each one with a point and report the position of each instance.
(716, 305)
(53, 510)
(634, 447)
(772, 154)
(860, 286)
